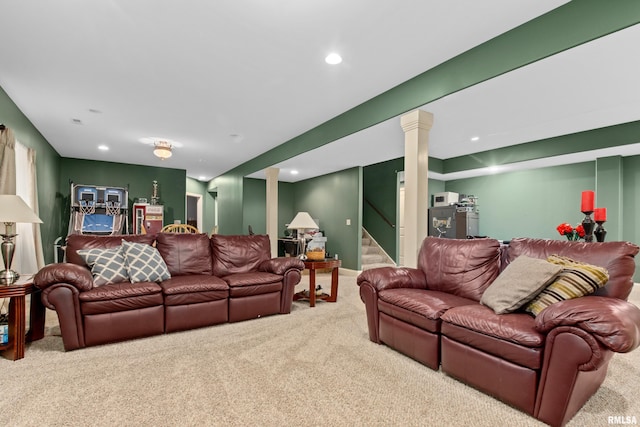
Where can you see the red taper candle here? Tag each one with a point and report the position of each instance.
(600, 215)
(587, 201)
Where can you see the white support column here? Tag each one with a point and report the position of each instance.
(416, 126)
(272, 208)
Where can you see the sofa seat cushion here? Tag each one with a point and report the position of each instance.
(123, 296)
(511, 336)
(419, 307)
(194, 289)
(253, 283)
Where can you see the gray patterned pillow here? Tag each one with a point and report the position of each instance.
(144, 263)
(107, 265)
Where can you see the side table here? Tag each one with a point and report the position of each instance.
(14, 348)
(312, 266)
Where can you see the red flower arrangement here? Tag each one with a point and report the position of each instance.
(565, 229)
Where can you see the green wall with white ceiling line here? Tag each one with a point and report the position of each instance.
(331, 198)
(48, 171)
(546, 35)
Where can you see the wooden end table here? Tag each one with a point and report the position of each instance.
(14, 348)
(312, 266)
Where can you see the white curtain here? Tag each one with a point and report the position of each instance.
(7, 162)
(28, 258)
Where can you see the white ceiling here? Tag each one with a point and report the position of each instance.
(229, 80)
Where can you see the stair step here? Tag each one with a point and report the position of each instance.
(370, 250)
(373, 255)
(373, 258)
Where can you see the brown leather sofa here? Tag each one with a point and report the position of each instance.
(213, 280)
(547, 366)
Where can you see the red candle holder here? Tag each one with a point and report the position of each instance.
(600, 217)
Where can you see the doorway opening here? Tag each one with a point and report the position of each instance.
(194, 210)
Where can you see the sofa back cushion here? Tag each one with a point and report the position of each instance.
(185, 253)
(616, 257)
(84, 241)
(239, 254)
(460, 267)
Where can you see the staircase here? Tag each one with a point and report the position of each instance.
(373, 256)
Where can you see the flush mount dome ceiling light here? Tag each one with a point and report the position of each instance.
(162, 149)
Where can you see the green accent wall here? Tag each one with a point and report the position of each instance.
(380, 185)
(286, 205)
(254, 205)
(47, 170)
(520, 203)
(332, 199)
(609, 194)
(254, 211)
(630, 205)
(139, 180)
(229, 188)
(380, 189)
(589, 140)
(530, 203)
(544, 36)
(208, 203)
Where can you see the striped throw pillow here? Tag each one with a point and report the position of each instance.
(575, 280)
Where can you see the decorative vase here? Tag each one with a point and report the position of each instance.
(600, 232)
(588, 225)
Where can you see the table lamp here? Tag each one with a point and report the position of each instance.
(300, 222)
(12, 209)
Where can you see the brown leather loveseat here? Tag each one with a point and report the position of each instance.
(546, 365)
(212, 280)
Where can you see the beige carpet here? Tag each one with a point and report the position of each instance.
(313, 367)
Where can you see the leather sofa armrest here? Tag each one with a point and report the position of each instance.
(281, 265)
(391, 277)
(615, 323)
(75, 275)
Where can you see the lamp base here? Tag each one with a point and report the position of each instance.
(8, 277)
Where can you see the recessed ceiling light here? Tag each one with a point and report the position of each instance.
(333, 59)
(202, 178)
(294, 172)
(103, 148)
(475, 138)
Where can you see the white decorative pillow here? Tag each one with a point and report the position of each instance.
(107, 265)
(519, 283)
(144, 263)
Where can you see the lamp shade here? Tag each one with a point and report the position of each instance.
(14, 209)
(302, 220)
